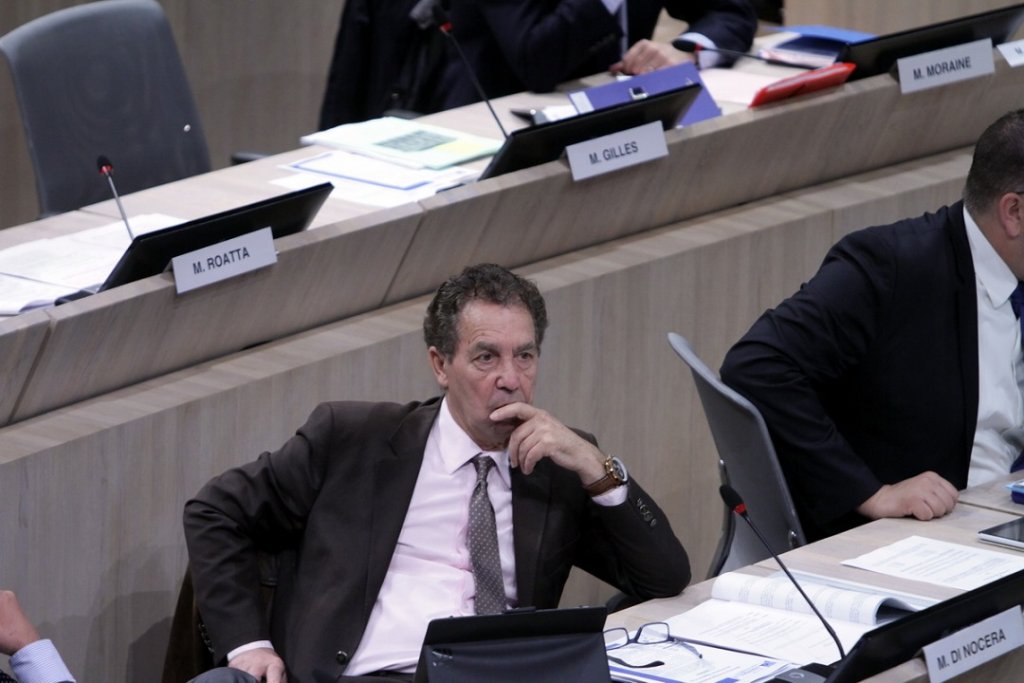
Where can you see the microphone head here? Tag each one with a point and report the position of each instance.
(686, 45)
(103, 165)
(732, 499)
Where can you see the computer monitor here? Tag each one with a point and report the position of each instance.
(878, 55)
(150, 253)
(545, 142)
(898, 641)
(537, 645)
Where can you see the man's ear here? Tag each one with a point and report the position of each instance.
(439, 366)
(1011, 215)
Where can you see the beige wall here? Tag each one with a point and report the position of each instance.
(257, 68)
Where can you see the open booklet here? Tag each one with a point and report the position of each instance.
(768, 615)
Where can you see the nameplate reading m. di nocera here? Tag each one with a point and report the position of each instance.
(973, 646)
(948, 65)
(618, 150)
(223, 260)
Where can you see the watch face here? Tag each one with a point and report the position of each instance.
(619, 470)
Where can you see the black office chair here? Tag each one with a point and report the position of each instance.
(748, 463)
(103, 78)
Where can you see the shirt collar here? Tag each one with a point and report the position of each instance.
(994, 276)
(457, 448)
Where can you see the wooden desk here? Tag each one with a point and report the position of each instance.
(132, 399)
(824, 557)
(993, 496)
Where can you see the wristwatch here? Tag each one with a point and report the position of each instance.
(615, 475)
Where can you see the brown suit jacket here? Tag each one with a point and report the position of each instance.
(337, 493)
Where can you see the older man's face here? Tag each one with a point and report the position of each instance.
(494, 364)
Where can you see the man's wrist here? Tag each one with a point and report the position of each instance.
(39, 662)
(255, 645)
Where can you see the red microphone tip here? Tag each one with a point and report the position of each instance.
(740, 509)
(446, 27)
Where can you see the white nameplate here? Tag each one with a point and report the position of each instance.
(223, 260)
(618, 150)
(974, 645)
(948, 65)
(1013, 52)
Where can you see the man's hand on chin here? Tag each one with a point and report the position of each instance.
(540, 435)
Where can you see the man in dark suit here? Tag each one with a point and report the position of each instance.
(892, 379)
(373, 498)
(383, 60)
(33, 659)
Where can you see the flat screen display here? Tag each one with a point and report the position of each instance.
(878, 55)
(539, 144)
(150, 253)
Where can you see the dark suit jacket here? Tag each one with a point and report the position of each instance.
(869, 374)
(513, 45)
(337, 493)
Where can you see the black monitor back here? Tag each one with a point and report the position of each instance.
(898, 641)
(540, 144)
(879, 55)
(150, 253)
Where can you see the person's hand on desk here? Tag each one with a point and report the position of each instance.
(262, 663)
(646, 56)
(924, 497)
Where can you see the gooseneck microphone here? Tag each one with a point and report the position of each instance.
(107, 169)
(735, 503)
(695, 48)
(444, 24)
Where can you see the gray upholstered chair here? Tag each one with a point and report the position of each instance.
(103, 78)
(748, 463)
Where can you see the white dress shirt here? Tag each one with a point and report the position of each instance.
(39, 662)
(430, 575)
(1000, 366)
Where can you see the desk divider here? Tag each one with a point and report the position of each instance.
(144, 329)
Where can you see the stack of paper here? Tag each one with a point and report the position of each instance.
(406, 142)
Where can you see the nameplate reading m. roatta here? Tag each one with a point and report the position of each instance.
(618, 150)
(973, 646)
(223, 260)
(948, 65)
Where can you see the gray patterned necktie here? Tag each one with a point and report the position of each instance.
(482, 539)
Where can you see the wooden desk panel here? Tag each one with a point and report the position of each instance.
(994, 495)
(145, 329)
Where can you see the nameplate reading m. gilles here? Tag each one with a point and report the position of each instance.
(973, 646)
(618, 150)
(948, 65)
(223, 260)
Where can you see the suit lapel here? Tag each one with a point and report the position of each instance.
(530, 504)
(393, 482)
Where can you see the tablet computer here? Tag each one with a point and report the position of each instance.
(549, 645)
(1009, 534)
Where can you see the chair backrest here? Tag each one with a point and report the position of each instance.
(104, 78)
(747, 463)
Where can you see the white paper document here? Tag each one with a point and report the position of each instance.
(939, 562)
(679, 663)
(363, 180)
(767, 615)
(790, 636)
(39, 272)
